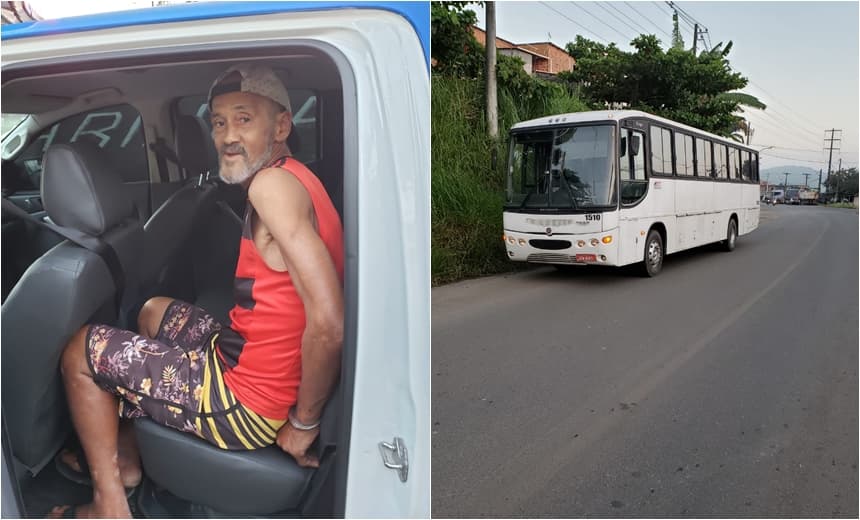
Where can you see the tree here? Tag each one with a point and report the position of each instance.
(452, 45)
(843, 183)
(700, 91)
(677, 38)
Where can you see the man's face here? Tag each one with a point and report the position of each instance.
(243, 128)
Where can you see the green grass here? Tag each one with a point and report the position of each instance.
(466, 199)
(845, 205)
(467, 190)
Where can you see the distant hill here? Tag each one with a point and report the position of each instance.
(777, 175)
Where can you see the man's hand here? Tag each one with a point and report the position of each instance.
(296, 443)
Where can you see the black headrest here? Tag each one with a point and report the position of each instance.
(294, 142)
(194, 146)
(81, 191)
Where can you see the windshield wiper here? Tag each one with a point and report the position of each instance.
(525, 199)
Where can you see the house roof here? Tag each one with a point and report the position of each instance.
(547, 43)
(508, 44)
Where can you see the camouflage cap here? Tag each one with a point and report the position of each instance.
(254, 79)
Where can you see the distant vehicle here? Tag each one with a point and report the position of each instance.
(777, 197)
(808, 196)
(676, 188)
(792, 196)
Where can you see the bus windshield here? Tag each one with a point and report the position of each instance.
(567, 168)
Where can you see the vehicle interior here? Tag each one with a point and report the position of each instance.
(117, 148)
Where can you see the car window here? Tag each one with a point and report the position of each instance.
(116, 130)
(305, 107)
(9, 122)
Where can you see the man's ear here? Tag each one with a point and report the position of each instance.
(283, 126)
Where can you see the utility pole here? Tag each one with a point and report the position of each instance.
(492, 101)
(806, 180)
(785, 184)
(838, 178)
(696, 38)
(831, 147)
(819, 184)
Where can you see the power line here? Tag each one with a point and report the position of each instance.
(684, 15)
(641, 30)
(779, 130)
(575, 22)
(600, 5)
(794, 149)
(598, 19)
(649, 20)
(783, 123)
(786, 106)
(791, 158)
(660, 6)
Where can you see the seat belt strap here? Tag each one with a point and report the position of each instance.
(163, 153)
(91, 243)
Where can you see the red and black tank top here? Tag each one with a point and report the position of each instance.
(262, 349)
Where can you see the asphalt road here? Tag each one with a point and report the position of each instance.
(727, 386)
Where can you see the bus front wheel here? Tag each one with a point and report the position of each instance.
(654, 254)
(731, 236)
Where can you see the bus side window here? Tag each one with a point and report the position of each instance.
(746, 174)
(632, 161)
(734, 170)
(703, 158)
(720, 161)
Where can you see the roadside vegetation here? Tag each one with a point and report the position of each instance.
(468, 167)
(843, 184)
(468, 176)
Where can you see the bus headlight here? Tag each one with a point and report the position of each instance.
(521, 242)
(580, 243)
(607, 239)
(594, 241)
(512, 240)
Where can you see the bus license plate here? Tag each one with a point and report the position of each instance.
(586, 258)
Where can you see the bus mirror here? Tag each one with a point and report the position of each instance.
(623, 146)
(634, 145)
(556, 156)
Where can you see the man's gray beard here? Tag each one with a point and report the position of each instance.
(252, 168)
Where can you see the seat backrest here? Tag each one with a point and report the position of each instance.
(194, 146)
(59, 293)
(168, 230)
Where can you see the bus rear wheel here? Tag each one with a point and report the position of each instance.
(654, 254)
(731, 236)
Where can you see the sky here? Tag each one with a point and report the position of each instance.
(800, 57)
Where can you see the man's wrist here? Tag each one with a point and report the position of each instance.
(302, 424)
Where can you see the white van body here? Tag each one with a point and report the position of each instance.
(384, 66)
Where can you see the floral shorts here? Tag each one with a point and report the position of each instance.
(176, 379)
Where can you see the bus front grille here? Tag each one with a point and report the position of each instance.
(550, 244)
(550, 258)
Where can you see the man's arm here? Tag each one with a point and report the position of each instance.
(286, 209)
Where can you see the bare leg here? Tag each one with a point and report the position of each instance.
(94, 414)
(151, 315)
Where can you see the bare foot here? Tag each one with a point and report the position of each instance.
(129, 467)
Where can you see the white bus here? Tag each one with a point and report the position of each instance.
(621, 187)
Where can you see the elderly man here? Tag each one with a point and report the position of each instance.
(265, 376)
